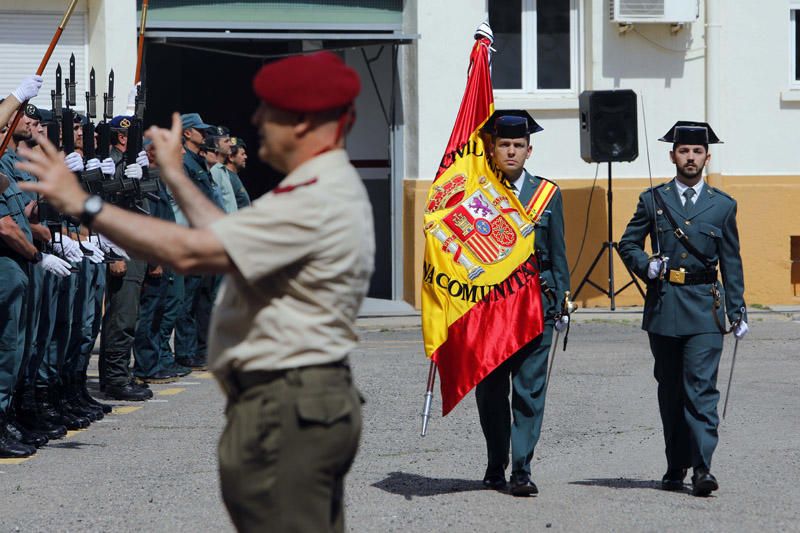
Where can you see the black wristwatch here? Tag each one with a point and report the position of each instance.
(91, 208)
(37, 257)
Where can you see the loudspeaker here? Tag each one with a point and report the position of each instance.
(609, 126)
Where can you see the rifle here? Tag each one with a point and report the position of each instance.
(40, 70)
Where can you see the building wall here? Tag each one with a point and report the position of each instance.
(754, 113)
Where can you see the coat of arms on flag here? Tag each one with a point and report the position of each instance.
(481, 299)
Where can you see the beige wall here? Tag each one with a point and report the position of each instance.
(767, 219)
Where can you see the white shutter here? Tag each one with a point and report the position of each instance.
(25, 37)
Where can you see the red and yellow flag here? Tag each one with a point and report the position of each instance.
(481, 299)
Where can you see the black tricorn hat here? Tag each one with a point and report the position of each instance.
(511, 124)
(686, 132)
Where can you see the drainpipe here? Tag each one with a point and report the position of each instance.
(713, 93)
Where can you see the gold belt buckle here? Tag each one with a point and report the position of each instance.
(677, 276)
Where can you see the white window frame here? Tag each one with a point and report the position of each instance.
(529, 94)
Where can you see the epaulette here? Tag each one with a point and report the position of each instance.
(545, 179)
(721, 192)
(654, 187)
(290, 188)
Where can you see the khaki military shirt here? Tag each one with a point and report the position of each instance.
(304, 254)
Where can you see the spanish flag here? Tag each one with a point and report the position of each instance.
(481, 299)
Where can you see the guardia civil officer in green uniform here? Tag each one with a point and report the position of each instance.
(298, 264)
(520, 422)
(695, 226)
(193, 315)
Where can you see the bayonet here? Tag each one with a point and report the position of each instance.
(70, 83)
(57, 96)
(91, 98)
(108, 98)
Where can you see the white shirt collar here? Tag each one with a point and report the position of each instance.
(698, 187)
(519, 182)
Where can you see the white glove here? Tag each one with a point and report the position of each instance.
(97, 254)
(141, 159)
(484, 30)
(109, 247)
(656, 266)
(92, 163)
(69, 249)
(28, 88)
(108, 167)
(130, 109)
(133, 171)
(740, 330)
(74, 162)
(561, 323)
(54, 265)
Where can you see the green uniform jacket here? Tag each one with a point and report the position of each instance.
(679, 310)
(549, 244)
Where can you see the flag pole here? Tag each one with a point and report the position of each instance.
(39, 71)
(426, 410)
(140, 48)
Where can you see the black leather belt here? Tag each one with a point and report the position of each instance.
(681, 277)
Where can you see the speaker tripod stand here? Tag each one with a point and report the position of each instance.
(609, 247)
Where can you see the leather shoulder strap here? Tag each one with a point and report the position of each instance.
(680, 234)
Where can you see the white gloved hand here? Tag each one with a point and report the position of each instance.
(92, 163)
(656, 266)
(69, 249)
(133, 171)
(484, 30)
(74, 162)
(97, 254)
(109, 247)
(54, 265)
(561, 323)
(740, 330)
(130, 109)
(108, 167)
(141, 159)
(28, 88)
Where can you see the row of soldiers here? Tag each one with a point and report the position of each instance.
(63, 284)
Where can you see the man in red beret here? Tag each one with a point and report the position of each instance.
(297, 263)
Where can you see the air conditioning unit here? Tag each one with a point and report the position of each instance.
(654, 11)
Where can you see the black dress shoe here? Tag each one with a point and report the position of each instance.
(521, 485)
(179, 370)
(495, 482)
(195, 363)
(703, 483)
(673, 479)
(162, 376)
(128, 392)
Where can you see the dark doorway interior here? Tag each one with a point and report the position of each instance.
(196, 76)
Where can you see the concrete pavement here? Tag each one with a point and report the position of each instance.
(597, 465)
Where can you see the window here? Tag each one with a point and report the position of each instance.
(794, 45)
(537, 45)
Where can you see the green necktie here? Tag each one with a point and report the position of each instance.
(688, 204)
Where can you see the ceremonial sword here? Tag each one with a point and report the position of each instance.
(568, 307)
(733, 365)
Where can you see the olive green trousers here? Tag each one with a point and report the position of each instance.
(286, 449)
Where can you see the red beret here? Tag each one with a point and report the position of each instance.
(307, 83)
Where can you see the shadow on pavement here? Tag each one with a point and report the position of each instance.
(619, 483)
(409, 485)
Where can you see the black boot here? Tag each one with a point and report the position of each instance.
(49, 406)
(11, 447)
(27, 414)
(89, 399)
(25, 436)
(64, 408)
(74, 404)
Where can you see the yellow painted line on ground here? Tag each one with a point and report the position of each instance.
(202, 375)
(15, 460)
(125, 409)
(96, 376)
(71, 433)
(170, 392)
